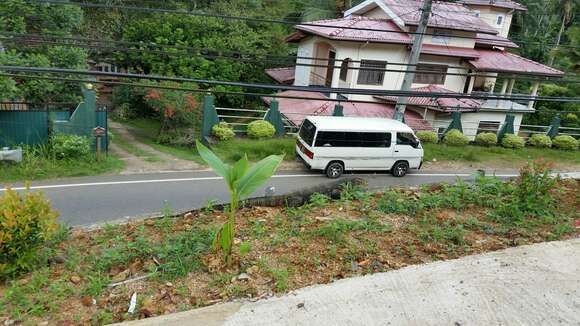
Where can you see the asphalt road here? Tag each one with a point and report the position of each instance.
(95, 200)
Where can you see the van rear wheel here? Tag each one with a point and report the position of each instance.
(400, 169)
(334, 170)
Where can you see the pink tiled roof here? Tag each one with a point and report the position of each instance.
(336, 30)
(449, 51)
(282, 75)
(298, 109)
(487, 39)
(507, 4)
(444, 15)
(435, 103)
(502, 61)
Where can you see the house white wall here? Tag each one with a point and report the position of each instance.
(490, 16)
(470, 121)
(454, 83)
(302, 73)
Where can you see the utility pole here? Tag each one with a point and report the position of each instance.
(414, 59)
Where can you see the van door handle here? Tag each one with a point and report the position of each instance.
(396, 151)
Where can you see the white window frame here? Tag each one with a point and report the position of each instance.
(498, 21)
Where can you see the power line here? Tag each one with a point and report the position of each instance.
(234, 93)
(262, 60)
(312, 89)
(240, 18)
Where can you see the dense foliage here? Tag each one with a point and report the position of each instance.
(26, 222)
(513, 141)
(455, 138)
(223, 131)
(427, 136)
(565, 142)
(541, 141)
(20, 16)
(70, 146)
(486, 139)
(261, 129)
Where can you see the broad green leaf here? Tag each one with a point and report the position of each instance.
(257, 175)
(237, 172)
(213, 161)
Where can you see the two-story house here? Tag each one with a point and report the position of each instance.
(465, 50)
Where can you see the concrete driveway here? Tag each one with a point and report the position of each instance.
(529, 285)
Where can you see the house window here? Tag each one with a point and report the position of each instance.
(441, 36)
(344, 67)
(371, 77)
(499, 20)
(430, 74)
(488, 126)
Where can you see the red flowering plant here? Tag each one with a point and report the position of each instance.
(175, 108)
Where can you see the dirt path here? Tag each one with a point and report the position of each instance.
(144, 158)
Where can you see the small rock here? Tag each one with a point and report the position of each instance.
(354, 266)
(300, 305)
(193, 301)
(87, 301)
(75, 279)
(10, 322)
(150, 222)
(243, 277)
(43, 323)
(169, 284)
(188, 215)
(56, 260)
(434, 160)
(376, 265)
(146, 312)
(120, 277)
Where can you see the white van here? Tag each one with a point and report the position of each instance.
(338, 144)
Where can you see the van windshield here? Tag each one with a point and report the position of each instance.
(307, 132)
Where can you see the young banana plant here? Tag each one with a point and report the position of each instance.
(242, 180)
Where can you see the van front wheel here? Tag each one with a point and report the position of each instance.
(334, 170)
(400, 169)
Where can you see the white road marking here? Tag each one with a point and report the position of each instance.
(110, 183)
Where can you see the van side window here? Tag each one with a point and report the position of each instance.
(352, 139)
(407, 138)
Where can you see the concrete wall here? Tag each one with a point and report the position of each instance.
(470, 121)
(305, 49)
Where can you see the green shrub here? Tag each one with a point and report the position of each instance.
(223, 131)
(512, 141)
(565, 142)
(486, 139)
(427, 136)
(541, 141)
(26, 223)
(455, 138)
(261, 129)
(70, 146)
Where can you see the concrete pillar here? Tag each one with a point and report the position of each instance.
(471, 82)
(511, 86)
(533, 93)
(504, 86)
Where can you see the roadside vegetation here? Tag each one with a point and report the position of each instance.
(85, 277)
(63, 156)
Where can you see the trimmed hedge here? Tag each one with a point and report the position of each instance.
(513, 141)
(486, 139)
(261, 129)
(223, 131)
(427, 136)
(565, 142)
(455, 138)
(540, 141)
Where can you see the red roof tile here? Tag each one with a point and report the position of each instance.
(507, 4)
(435, 103)
(449, 51)
(282, 75)
(502, 61)
(336, 30)
(298, 109)
(496, 40)
(444, 15)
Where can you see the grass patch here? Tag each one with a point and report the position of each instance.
(38, 168)
(474, 153)
(134, 150)
(145, 130)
